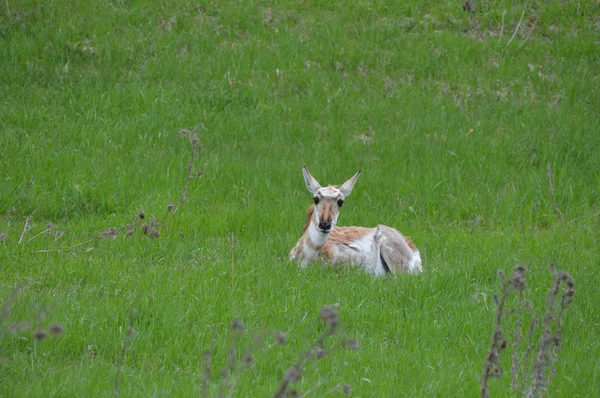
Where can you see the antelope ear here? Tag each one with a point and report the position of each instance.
(312, 184)
(347, 187)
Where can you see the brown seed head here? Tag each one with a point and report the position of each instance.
(517, 279)
(501, 274)
(319, 352)
(567, 278)
(329, 315)
(110, 233)
(280, 337)
(40, 335)
(237, 325)
(293, 374)
(56, 329)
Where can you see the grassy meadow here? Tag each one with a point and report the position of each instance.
(455, 118)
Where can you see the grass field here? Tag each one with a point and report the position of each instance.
(454, 118)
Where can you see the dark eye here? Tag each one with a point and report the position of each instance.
(316, 199)
(340, 202)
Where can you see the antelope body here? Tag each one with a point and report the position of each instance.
(378, 250)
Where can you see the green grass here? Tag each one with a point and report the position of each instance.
(452, 127)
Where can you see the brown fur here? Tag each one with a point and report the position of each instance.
(348, 234)
(309, 215)
(326, 213)
(326, 252)
(409, 243)
(342, 235)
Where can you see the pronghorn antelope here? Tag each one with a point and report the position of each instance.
(378, 250)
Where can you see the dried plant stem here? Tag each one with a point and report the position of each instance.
(100, 234)
(519, 24)
(542, 369)
(317, 351)
(502, 27)
(546, 354)
(528, 36)
(282, 389)
(525, 363)
(228, 371)
(207, 363)
(41, 233)
(549, 175)
(26, 227)
(492, 367)
(517, 340)
(313, 389)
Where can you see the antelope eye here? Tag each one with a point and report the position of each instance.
(317, 200)
(340, 202)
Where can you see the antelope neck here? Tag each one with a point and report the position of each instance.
(317, 238)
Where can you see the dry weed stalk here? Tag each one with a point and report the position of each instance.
(518, 25)
(236, 362)
(194, 140)
(547, 354)
(150, 228)
(230, 373)
(535, 375)
(316, 352)
(26, 227)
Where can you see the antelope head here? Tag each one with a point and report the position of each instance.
(328, 200)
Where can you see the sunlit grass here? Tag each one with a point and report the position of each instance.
(452, 128)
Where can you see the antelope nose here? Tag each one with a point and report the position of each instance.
(325, 226)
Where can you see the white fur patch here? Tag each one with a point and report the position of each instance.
(330, 192)
(310, 255)
(364, 244)
(414, 265)
(317, 237)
